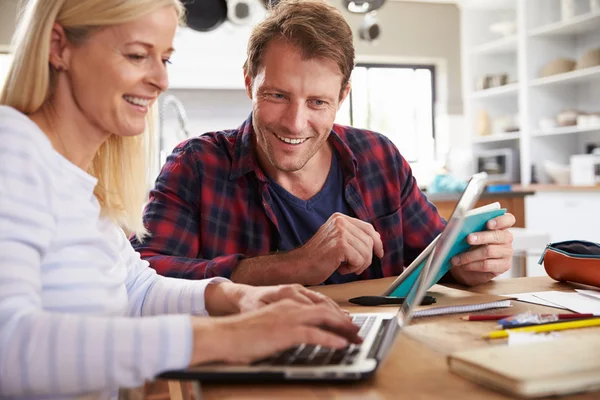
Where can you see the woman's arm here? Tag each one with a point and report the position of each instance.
(62, 352)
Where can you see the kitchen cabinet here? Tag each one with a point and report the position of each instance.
(565, 215)
(517, 80)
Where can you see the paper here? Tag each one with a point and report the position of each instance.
(518, 338)
(592, 293)
(573, 301)
(531, 298)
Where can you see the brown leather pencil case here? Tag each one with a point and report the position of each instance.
(574, 261)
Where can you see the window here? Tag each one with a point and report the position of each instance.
(396, 101)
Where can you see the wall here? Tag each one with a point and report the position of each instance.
(8, 16)
(417, 30)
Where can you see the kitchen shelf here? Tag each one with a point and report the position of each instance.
(501, 91)
(498, 137)
(505, 45)
(567, 77)
(565, 130)
(574, 26)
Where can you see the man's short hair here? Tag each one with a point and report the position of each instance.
(316, 28)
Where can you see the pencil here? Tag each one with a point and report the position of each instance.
(559, 326)
(482, 317)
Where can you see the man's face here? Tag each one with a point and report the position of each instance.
(294, 106)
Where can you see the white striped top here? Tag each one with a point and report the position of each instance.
(72, 287)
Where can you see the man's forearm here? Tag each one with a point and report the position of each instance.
(273, 269)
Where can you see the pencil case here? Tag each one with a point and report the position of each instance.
(574, 261)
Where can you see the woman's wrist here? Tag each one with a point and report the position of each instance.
(223, 298)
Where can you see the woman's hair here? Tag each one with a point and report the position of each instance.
(315, 27)
(121, 164)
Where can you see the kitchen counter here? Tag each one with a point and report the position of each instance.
(513, 201)
(448, 196)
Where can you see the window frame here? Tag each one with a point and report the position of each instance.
(414, 66)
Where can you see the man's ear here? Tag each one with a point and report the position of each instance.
(59, 52)
(248, 83)
(343, 94)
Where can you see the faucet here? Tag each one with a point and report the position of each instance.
(182, 133)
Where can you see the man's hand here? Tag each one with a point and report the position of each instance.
(342, 243)
(490, 256)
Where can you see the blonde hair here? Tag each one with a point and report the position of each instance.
(121, 164)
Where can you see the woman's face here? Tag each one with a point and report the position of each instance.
(117, 73)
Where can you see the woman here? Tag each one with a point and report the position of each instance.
(74, 109)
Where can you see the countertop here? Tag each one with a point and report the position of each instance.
(455, 196)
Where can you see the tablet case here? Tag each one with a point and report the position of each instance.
(472, 223)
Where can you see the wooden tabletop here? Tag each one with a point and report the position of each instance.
(416, 366)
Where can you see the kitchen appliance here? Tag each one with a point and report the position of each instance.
(501, 165)
(585, 169)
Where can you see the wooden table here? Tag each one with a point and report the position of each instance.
(416, 367)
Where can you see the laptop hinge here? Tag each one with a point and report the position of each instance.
(384, 339)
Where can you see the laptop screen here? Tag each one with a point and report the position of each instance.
(435, 260)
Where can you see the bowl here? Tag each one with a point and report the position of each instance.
(557, 66)
(558, 173)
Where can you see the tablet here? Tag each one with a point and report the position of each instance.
(468, 198)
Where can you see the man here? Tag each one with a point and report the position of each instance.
(291, 197)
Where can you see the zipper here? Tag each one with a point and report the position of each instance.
(567, 253)
(541, 260)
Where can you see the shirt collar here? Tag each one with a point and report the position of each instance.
(245, 161)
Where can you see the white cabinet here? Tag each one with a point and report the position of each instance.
(524, 94)
(212, 60)
(565, 215)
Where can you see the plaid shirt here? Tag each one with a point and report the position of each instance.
(211, 207)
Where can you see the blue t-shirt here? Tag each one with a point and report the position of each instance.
(300, 219)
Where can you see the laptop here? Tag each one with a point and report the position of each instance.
(378, 330)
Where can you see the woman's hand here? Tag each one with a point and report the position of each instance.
(244, 338)
(229, 298)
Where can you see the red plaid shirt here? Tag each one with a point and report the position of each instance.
(211, 206)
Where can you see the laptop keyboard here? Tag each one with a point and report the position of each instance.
(316, 355)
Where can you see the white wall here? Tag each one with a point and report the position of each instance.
(8, 16)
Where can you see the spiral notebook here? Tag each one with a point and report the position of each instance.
(456, 301)
(469, 308)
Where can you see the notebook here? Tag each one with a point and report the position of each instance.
(455, 301)
(468, 308)
(557, 367)
(474, 222)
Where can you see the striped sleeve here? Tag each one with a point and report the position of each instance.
(153, 294)
(62, 354)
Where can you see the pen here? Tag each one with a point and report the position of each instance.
(482, 317)
(382, 300)
(558, 326)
